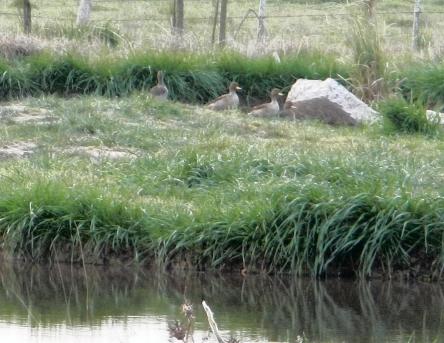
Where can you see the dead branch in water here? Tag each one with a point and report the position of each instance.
(213, 325)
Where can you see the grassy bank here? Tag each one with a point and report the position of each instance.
(190, 78)
(207, 190)
(197, 78)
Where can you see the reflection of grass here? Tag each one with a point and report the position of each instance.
(205, 191)
(276, 308)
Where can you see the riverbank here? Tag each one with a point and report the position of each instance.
(129, 180)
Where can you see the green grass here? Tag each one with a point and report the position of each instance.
(401, 116)
(190, 78)
(197, 78)
(423, 82)
(220, 190)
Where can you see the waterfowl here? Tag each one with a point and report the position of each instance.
(159, 91)
(226, 101)
(269, 108)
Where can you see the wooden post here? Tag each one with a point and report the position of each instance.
(27, 16)
(216, 16)
(415, 35)
(223, 23)
(84, 12)
(173, 16)
(261, 22)
(370, 4)
(178, 16)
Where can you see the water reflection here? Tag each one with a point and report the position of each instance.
(123, 305)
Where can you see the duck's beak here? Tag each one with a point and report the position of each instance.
(281, 94)
(238, 88)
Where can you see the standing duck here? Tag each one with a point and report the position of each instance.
(226, 101)
(159, 91)
(268, 109)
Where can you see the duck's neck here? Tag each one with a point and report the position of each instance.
(160, 80)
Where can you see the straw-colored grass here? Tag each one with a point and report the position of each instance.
(291, 25)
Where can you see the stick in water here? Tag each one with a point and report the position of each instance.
(212, 322)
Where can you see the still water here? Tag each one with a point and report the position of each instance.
(64, 304)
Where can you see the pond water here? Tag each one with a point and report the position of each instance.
(64, 304)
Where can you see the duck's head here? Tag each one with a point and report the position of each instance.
(234, 86)
(275, 92)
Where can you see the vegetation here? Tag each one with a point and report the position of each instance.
(189, 77)
(116, 175)
(423, 82)
(291, 25)
(401, 116)
(208, 190)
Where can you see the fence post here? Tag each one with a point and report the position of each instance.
(261, 22)
(216, 15)
(84, 12)
(178, 17)
(370, 4)
(416, 35)
(223, 23)
(27, 16)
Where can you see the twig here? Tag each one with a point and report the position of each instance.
(212, 322)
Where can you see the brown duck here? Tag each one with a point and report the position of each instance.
(268, 109)
(159, 91)
(226, 101)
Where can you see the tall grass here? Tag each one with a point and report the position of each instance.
(305, 230)
(369, 75)
(190, 78)
(401, 116)
(424, 82)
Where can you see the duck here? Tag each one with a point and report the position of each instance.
(226, 101)
(268, 109)
(159, 91)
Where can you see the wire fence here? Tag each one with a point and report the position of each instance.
(166, 18)
(133, 15)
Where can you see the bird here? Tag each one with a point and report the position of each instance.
(226, 101)
(268, 109)
(159, 91)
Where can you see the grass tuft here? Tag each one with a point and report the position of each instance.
(400, 116)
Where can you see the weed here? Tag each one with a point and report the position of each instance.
(400, 116)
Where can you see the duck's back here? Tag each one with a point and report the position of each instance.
(264, 110)
(159, 92)
(225, 102)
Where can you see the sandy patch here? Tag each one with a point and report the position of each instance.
(103, 153)
(17, 150)
(20, 114)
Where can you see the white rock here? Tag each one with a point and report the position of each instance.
(336, 93)
(435, 117)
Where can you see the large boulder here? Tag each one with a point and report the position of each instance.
(327, 101)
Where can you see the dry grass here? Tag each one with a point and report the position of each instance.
(292, 25)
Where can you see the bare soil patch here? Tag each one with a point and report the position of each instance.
(20, 114)
(103, 153)
(17, 150)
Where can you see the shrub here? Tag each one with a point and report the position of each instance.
(401, 116)
(423, 82)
